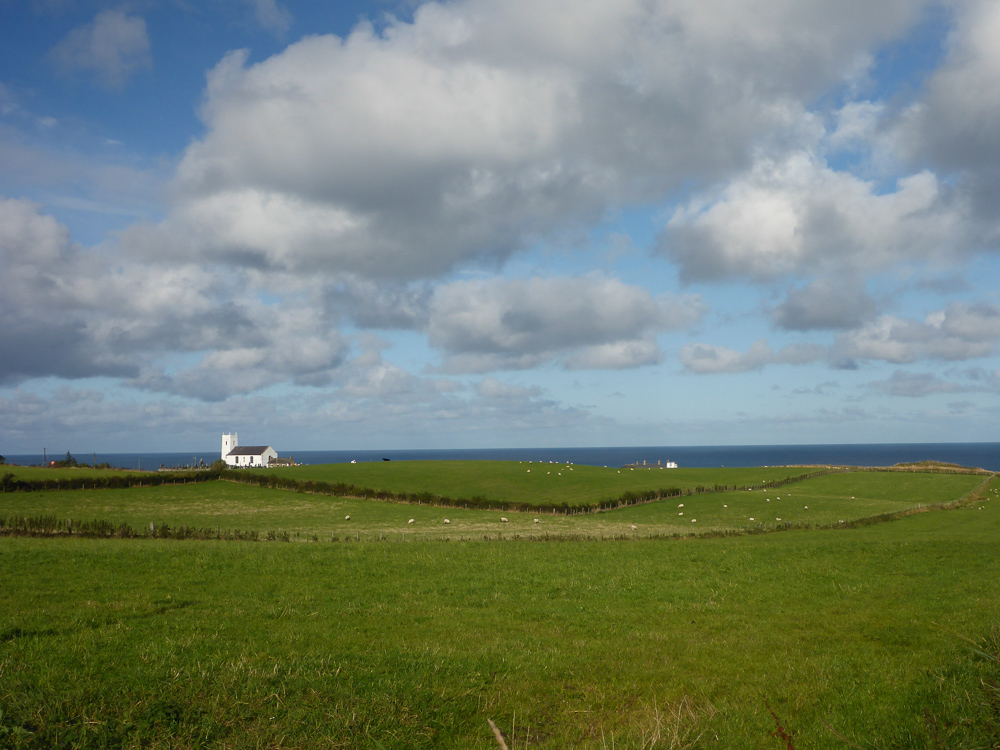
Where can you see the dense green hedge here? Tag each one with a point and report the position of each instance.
(97, 529)
(10, 483)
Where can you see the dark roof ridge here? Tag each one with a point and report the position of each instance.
(248, 450)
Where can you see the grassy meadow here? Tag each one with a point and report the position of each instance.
(852, 636)
(224, 505)
(528, 482)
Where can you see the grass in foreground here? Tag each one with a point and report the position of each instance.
(591, 645)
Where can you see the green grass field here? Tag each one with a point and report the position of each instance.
(618, 644)
(526, 482)
(821, 500)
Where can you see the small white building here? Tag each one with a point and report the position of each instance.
(247, 455)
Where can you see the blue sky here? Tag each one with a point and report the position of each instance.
(489, 224)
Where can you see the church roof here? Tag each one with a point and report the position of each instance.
(249, 450)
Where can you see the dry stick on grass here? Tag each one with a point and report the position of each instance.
(497, 734)
(781, 730)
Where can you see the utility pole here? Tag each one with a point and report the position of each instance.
(45, 458)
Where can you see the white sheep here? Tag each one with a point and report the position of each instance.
(536, 520)
(347, 518)
(412, 520)
(447, 521)
(503, 520)
(681, 505)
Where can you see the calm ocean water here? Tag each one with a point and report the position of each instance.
(983, 455)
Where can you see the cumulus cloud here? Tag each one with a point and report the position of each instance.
(587, 322)
(480, 127)
(797, 215)
(954, 126)
(114, 46)
(825, 304)
(379, 305)
(71, 312)
(709, 359)
(959, 332)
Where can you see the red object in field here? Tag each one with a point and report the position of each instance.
(52, 463)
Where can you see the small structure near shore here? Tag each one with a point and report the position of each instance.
(245, 456)
(657, 465)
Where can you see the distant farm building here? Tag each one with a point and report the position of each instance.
(242, 456)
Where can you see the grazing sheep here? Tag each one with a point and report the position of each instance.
(681, 505)
(681, 513)
(751, 519)
(503, 520)
(447, 521)
(725, 506)
(347, 518)
(634, 527)
(805, 507)
(536, 520)
(412, 520)
(694, 520)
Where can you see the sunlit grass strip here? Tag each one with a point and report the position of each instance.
(512, 486)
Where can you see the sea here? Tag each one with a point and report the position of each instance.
(981, 455)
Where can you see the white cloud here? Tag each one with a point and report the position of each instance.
(799, 216)
(114, 46)
(959, 332)
(271, 15)
(481, 127)
(709, 359)
(954, 127)
(587, 322)
(71, 312)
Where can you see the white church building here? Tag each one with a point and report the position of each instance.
(242, 456)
